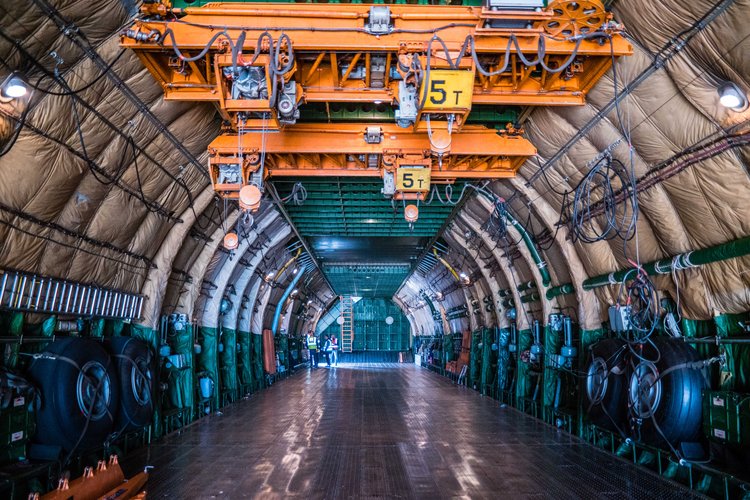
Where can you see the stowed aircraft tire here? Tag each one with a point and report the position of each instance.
(604, 387)
(135, 365)
(674, 401)
(79, 388)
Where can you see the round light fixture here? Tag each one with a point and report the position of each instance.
(411, 213)
(389, 320)
(732, 97)
(231, 241)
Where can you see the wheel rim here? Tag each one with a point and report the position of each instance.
(645, 390)
(140, 381)
(93, 388)
(596, 381)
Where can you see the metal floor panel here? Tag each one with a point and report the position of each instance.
(384, 431)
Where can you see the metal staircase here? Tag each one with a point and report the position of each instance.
(347, 325)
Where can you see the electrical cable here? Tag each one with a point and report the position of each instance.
(69, 233)
(85, 87)
(599, 184)
(95, 112)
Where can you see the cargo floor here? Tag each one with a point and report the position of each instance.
(383, 431)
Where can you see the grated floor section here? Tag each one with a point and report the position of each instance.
(383, 431)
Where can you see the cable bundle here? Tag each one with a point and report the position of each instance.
(599, 187)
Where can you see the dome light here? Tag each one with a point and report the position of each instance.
(411, 213)
(732, 97)
(14, 86)
(231, 241)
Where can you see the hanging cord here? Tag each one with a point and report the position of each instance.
(469, 47)
(599, 185)
(298, 196)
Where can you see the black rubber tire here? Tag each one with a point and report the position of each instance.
(679, 411)
(133, 359)
(60, 419)
(605, 400)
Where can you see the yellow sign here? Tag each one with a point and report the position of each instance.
(413, 179)
(448, 89)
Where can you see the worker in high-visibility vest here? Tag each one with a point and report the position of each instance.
(312, 349)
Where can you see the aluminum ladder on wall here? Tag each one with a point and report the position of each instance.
(347, 325)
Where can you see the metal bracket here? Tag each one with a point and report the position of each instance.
(379, 20)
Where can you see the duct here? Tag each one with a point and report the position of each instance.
(541, 264)
(282, 300)
(696, 258)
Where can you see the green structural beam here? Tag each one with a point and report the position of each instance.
(696, 258)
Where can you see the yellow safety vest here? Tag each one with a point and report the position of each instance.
(312, 342)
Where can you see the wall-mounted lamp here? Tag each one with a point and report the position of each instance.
(732, 97)
(14, 86)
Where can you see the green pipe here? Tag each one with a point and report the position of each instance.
(508, 303)
(532, 297)
(527, 285)
(696, 258)
(541, 264)
(560, 290)
(505, 293)
(427, 299)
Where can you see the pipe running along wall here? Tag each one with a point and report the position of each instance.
(540, 263)
(282, 300)
(696, 258)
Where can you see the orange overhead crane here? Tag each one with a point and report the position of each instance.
(261, 63)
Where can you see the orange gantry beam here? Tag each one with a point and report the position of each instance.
(338, 58)
(262, 63)
(312, 150)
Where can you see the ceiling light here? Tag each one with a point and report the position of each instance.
(296, 270)
(14, 86)
(732, 97)
(231, 241)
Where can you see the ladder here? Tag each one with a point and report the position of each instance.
(347, 325)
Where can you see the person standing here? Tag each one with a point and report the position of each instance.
(327, 350)
(334, 350)
(312, 349)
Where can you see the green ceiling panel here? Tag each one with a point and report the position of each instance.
(360, 237)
